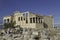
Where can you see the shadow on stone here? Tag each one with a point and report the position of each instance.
(45, 25)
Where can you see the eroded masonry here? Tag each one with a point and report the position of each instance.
(30, 20)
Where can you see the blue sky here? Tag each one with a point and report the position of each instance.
(45, 7)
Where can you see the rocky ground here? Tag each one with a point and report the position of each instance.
(27, 34)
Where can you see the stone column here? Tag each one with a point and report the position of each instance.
(36, 20)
